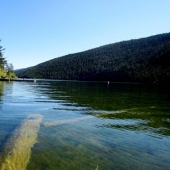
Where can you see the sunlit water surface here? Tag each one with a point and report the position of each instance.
(90, 125)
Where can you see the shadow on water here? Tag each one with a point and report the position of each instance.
(1, 92)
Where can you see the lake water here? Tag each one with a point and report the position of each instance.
(90, 125)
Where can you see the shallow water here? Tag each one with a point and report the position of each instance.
(90, 125)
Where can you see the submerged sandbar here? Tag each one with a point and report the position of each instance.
(18, 148)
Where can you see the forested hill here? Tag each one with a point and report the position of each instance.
(140, 60)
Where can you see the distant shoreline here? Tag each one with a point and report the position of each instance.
(57, 80)
(17, 79)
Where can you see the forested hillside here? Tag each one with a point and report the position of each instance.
(141, 60)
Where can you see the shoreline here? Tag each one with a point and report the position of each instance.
(58, 80)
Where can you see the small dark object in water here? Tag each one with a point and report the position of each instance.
(111, 144)
(150, 152)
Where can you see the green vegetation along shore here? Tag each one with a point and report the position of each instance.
(6, 70)
(142, 60)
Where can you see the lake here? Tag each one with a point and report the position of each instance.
(84, 126)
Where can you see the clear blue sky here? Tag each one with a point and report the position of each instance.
(34, 31)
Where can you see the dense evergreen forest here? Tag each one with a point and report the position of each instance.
(6, 70)
(141, 60)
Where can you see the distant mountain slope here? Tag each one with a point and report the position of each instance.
(140, 60)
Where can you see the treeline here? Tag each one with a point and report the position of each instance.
(141, 60)
(6, 69)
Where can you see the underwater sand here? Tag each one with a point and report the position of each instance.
(61, 122)
(18, 147)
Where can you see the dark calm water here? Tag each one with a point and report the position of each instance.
(90, 125)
